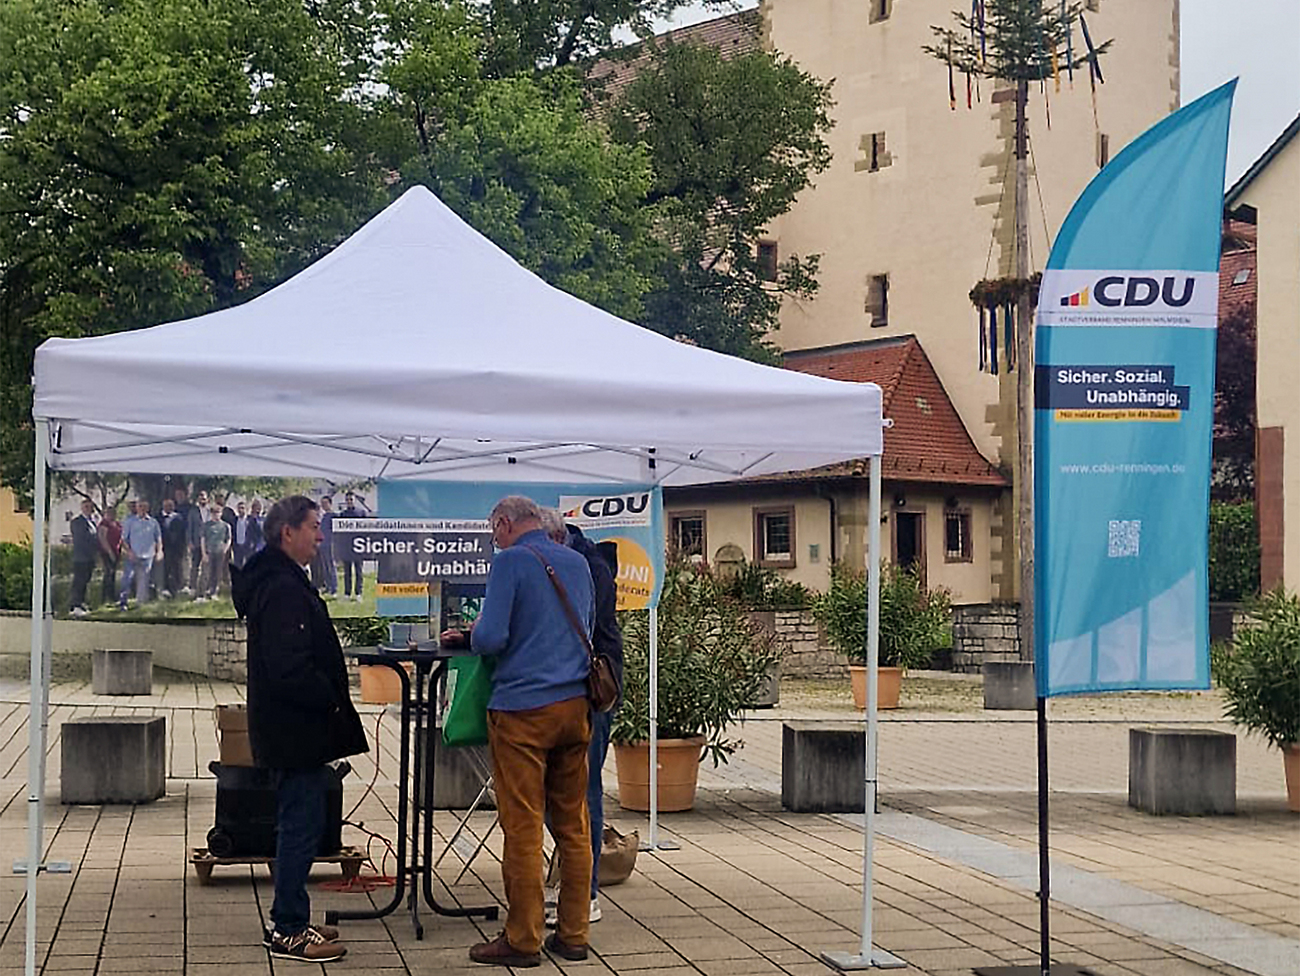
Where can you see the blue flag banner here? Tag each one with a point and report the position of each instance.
(1124, 403)
(437, 531)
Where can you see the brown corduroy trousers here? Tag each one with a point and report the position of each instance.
(539, 763)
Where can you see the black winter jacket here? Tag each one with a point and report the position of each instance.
(299, 710)
(606, 637)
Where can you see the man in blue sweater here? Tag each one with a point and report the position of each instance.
(538, 729)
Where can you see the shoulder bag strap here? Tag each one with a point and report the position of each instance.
(564, 601)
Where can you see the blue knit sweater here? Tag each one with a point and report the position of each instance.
(540, 658)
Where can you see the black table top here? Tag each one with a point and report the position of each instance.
(425, 652)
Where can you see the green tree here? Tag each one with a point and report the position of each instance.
(522, 36)
(520, 159)
(161, 159)
(1014, 41)
(732, 142)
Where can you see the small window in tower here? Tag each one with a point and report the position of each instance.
(767, 260)
(875, 156)
(877, 303)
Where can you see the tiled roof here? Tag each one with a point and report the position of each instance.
(733, 34)
(928, 442)
(1237, 261)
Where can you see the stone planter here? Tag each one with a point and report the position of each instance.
(1291, 760)
(679, 771)
(889, 682)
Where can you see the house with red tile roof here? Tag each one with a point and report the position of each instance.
(944, 502)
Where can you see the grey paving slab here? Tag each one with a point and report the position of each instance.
(1220, 938)
(955, 880)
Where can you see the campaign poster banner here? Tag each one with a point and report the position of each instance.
(411, 553)
(628, 517)
(1124, 406)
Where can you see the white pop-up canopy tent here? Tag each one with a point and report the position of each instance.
(419, 349)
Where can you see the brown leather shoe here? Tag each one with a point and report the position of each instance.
(500, 952)
(573, 953)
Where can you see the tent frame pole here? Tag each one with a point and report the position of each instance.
(653, 842)
(39, 702)
(868, 957)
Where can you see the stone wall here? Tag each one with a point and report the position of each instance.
(176, 645)
(807, 653)
(984, 632)
(228, 651)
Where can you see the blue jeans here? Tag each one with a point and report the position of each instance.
(143, 578)
(596, 752)
(300, 825)
(128, 576)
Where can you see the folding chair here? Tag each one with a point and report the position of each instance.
(487, 791)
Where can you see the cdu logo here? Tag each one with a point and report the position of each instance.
(1136, 291)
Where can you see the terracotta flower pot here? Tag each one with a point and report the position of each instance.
(1291, 764)
(889, 681)
(679, 770)
(380, 684)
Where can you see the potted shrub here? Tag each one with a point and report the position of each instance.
(712, 660)
(914, 622)
(1259, 673)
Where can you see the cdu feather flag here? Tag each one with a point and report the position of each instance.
(1124, 403)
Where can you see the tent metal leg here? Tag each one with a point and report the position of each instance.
(38, 678)
(653, 843)
(867, 956)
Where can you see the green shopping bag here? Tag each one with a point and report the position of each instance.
(469, 686)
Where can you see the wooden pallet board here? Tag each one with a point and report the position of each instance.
(349, 860)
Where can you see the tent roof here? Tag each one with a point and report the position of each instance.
(418, 348)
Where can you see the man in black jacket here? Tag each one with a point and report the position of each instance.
(300, 715)
(85, 550)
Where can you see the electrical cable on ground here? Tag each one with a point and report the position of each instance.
(362, 884)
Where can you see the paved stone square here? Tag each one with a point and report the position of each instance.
(752, 890)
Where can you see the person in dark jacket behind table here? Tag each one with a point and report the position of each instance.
(300, 715)
(606, 639)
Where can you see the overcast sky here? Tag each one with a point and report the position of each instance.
(1258, 40)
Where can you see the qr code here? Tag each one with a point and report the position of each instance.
(1125, 538)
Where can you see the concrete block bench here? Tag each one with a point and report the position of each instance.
(1009, 686)
(1185, 772)
(114, 759)
(118, 671)
(823, 767)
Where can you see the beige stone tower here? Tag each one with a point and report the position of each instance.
(918, 203)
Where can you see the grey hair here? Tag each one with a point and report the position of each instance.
(553, 523)
(290, 512)
(517, 508)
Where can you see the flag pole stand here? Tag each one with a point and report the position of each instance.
(1025, 525)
